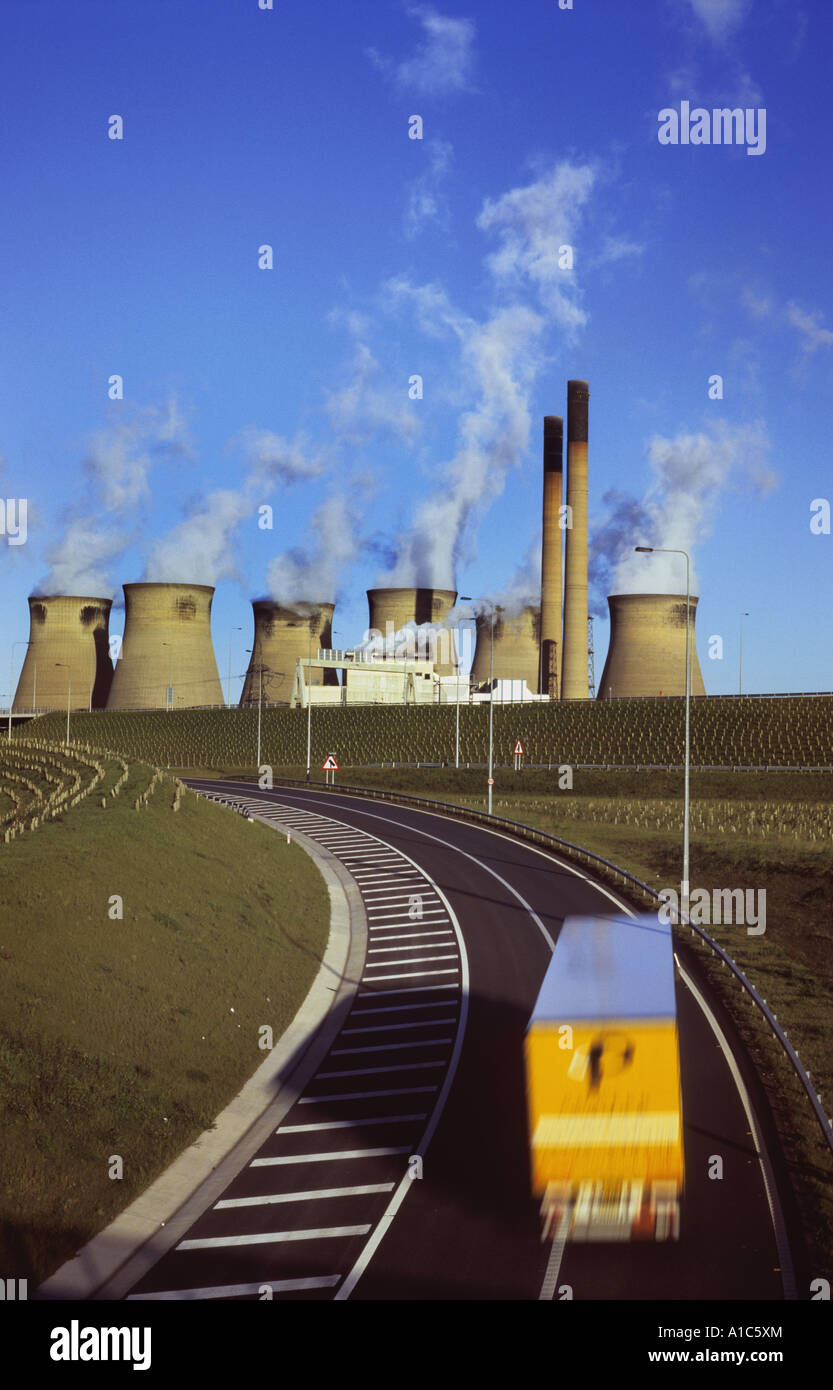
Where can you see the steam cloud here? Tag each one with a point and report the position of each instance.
(313, 572)
(690, 472)
(116, 468)
(500, 360)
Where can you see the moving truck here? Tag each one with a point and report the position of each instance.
(603, 1083)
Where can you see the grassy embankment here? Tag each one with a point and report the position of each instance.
(129, 1036)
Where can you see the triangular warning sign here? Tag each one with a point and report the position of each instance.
(519, 748)
(329, 764)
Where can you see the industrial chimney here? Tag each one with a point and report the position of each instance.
(167, 660)
(574, 683)
(646, 655)
(551, 591)
(283, 634)
(517, 647)
(393, 609)
(68, 654)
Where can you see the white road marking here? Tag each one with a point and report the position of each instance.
(392, 1047)
(351, 1124)
(386, 1152)
(556, 1256)
(315, 1196)
(324, 1281)
(272, 1237)
(402, 936)
(390, 950)
(414, 989)
(412, 974)
(368, 1095)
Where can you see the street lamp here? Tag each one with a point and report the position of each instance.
(740, 654)
(464, 598)
(494, 610)
(658, 550)
(307, 684)
(169, 693)
(69, 694)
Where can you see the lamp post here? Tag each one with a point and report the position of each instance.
(464, 598)
(69, 694)
(493, 612)
(658, 550)
(228, 682)
(169, 693)
(740, 654)
(20, 643)
(309, 704)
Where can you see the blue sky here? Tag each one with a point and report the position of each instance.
(394, 257)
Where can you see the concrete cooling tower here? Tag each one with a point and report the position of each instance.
(647, 647)
(392, 609)
(574, 677)
(167, 659)
(68, 654)
(551, 558)
(517, 647)
(283, 634)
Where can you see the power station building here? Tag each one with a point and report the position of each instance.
(167, 659)
(67, 656)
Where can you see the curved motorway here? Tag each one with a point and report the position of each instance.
(445, 1081)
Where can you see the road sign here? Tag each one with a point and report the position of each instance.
(490, 781)
(518, 750)
(329, 764)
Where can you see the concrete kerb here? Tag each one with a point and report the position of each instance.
(115, 1260)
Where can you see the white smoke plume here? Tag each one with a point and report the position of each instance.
(690, 473)
(524, 588)
(364, 409)
(314, 572)
(200, 549)
(500, 359)
(102, 522)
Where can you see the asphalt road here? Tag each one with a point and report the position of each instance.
(444, 1081)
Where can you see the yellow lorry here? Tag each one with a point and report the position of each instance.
(603, 1083)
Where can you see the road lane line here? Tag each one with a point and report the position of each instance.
(397, 1027)
(271, 1238)
(232, 1203)
(392, 1047)
(351, 1124)
(375, 1071)
(388, 1151)
(369, 1095)
(323, 1281)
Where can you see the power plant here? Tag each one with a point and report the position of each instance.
(68, 654)
(517, 647)
(646, 655)
(574, 685)
(392, 609)
(549, 682)
(167, 660)
(283, 636)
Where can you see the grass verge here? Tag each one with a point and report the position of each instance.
(128, 1035)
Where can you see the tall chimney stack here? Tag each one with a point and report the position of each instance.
(574, 683)
(551, 592)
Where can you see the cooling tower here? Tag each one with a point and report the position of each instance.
(551, 594)
(392, 609)
(574, 683)
(646, 655)
(282, 635)
(517, 647)
(167, 643)
(68, 654)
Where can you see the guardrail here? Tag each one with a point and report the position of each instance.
(528, 832)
